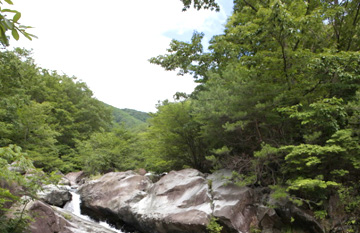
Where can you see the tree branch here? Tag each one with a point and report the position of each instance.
(252, 7)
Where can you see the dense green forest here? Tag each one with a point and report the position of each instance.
(130, 118)
(52, 116)
(278, 102)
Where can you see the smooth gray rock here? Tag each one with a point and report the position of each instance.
(178, 202)
(184, 202)
(113, 195)
(54, 195)
(233, 205)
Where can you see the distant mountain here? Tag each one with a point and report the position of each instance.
(131, 118)
(142, 116)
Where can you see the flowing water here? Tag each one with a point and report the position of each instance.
(73, 206)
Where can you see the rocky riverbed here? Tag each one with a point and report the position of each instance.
(185, 201)
(182, 201)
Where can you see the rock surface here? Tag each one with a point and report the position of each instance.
(184, 201)
(75, 178)
(113, 194)
(55, 195)
(51, 219)
(178, 202)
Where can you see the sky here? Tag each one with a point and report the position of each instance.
(107, 44)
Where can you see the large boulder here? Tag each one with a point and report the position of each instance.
(49, 219)
(113, 194)
(178, 202)
(54, 195)
(184, 202)
(46, 220)
(232, 205)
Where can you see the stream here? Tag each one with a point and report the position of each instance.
(73, 206)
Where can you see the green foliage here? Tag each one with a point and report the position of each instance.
(106, 151)
(214, 226)
(320, 214)
(12, 25)
(320, 120)
(46, 113)
(178, 135)
(255, 229)
(280, 90)
(310, 184)
(141, 116)
(199, 4)
(132, 119)
(242, 179)
(182, 57)
(279, 192)
(67, 216)
(13, 185)
(350, 199)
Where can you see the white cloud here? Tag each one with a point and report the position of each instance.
(107, 44)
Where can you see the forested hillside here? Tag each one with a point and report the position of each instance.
(132, 119)
(45, 113)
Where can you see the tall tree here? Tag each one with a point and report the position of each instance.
(178, 135)
(280, 91)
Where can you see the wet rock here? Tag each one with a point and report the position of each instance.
(75, 178)
(49, 219)
(55, 195)
(46, 220)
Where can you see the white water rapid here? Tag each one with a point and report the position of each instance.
(73, 206)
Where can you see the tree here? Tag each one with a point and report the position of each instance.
(199, 4)
(107, 151)
(36, 134)
(273, 54)
(279, 91)
(46, 113)
(178, 135)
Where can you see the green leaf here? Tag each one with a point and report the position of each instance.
(8, 24)
(9, 10)
(15, 34)
(17, 16)
(28, 35)
(25, 27)
(9, 2)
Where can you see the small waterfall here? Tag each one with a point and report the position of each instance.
(73, 206)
